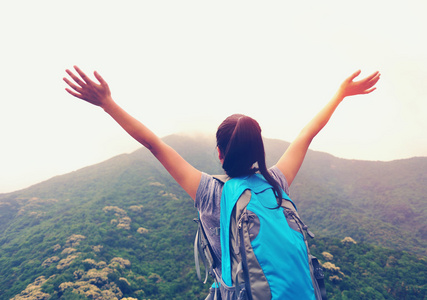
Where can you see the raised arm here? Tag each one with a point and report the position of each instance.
(292, 159)
(84, 88)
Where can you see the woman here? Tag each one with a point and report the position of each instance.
(239, 143)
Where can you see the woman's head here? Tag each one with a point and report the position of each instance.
(240, 146)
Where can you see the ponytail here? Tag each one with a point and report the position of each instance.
(241, 146)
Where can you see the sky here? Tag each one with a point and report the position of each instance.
(184, 66)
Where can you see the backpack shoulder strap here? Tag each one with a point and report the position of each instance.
(202, 247)
(203, 250)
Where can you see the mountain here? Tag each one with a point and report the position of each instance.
(383, 203)
(123, 228)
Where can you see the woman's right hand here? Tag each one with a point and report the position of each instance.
(84, 88)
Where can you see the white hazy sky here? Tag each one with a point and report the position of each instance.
(186, 65)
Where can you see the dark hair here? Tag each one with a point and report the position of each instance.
(241, 146)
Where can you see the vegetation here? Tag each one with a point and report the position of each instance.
(123, 229)
(363, 271)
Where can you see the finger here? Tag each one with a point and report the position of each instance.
(377, 76)
(372, 81)
(369, 90)
(77, 95)
(354, 75)
(75, 78)
(72, 85)
(369, 81)
(372, 76)
(100, 79)
(84, 76)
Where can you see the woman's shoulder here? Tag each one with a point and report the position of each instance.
(280, 178)
(210, 186)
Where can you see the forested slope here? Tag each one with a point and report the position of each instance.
(124, 228)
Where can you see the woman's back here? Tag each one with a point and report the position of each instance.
(207, 202)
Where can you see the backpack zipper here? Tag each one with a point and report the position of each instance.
(299, 221)
(243, 218)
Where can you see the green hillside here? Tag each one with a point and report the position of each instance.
(383, 203)
(123, 228)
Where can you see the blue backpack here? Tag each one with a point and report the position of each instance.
(264, 248)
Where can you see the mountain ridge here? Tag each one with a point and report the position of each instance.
(366, 186)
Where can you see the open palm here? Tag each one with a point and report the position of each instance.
(364, 86)
(84, 88)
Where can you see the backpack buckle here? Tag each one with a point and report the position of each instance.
(318, 273)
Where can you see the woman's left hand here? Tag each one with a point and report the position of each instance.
(364, 86)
